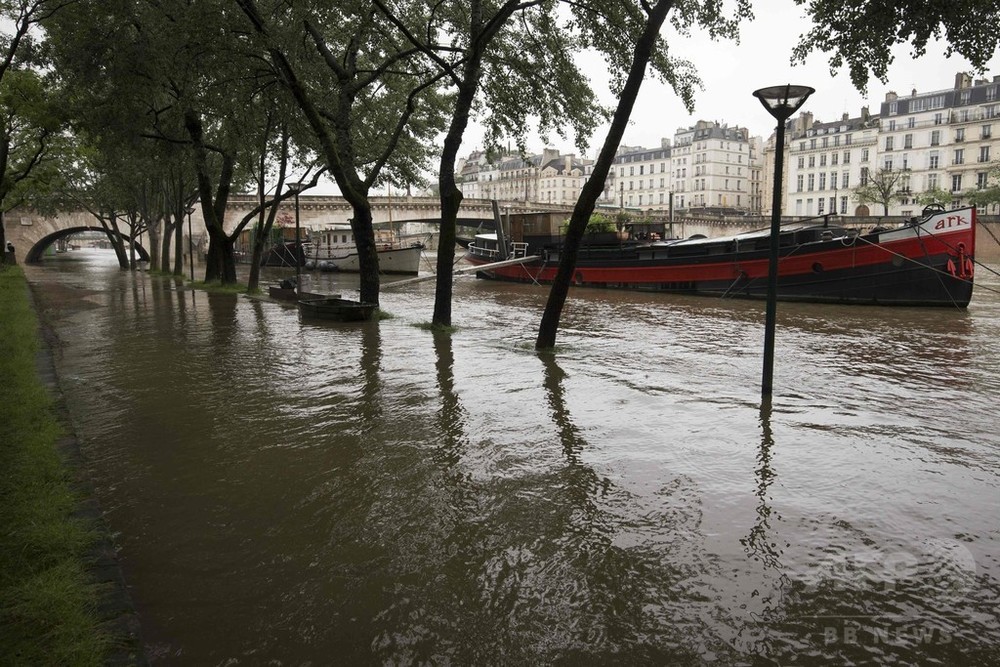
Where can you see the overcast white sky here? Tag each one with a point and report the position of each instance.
(731, 72)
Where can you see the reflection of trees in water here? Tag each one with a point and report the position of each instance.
(369, 405)
(539, 560)
(589, 574)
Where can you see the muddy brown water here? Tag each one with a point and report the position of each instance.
(289, 493)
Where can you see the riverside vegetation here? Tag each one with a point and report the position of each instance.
(48, 602)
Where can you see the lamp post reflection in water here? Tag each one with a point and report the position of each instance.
(781, 102)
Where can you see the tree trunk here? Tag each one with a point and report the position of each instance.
(261, 232)
(364, 240)
(3, 238)
(168, 230)
(179, 245)
(451, 196)
(595, 184)
(221, 261)
(153, 226)
(115, 238)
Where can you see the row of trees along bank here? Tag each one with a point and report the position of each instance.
(139, 109)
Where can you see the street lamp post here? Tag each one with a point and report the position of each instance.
(781, 102)
(190, 243)
(297, 188)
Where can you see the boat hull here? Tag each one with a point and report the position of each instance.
(930, 264)
(336, 310)
(391, 260)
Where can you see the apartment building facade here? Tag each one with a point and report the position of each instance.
(827, 161)
(549, 177)
(946, 139)
(640, 178)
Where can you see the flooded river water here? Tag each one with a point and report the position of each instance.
(289, 493)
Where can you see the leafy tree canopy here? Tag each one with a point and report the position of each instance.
(861, 33)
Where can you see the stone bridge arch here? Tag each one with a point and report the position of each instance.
(32, 232)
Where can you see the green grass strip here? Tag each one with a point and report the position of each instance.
(47, 599)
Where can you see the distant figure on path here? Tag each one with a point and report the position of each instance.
(10, 253)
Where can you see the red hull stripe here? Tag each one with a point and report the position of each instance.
(858, 255)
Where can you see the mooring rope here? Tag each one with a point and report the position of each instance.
(931, 268)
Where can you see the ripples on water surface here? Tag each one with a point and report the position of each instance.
(293, 492)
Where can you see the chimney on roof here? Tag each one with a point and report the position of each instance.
(891, 96)
(664, 142)
(845, 117)
(962, 80)
(913, 93)
(568, 163)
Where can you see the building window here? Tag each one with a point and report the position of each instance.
(864, 155)
(959, 156)
(960, 134)
(932, 181)
(822, 181)
(932, 160)
(821, 203)
(887, 165)
(822, 160)
(843, 205)
(956, 183)
(798, 184)
(864, 175)
(981, 179)
(845, 180)
(907, 141)
(938, 118)
(833, 158)
(984, 153)
(987, 132)
(802, 162)
(936, 138)
(812, 182)
(911, 122)
(889, 141)
(847, 157)
(833, 183)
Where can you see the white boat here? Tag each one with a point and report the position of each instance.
(333, 249)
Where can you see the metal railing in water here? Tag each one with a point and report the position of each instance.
(517, 250)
